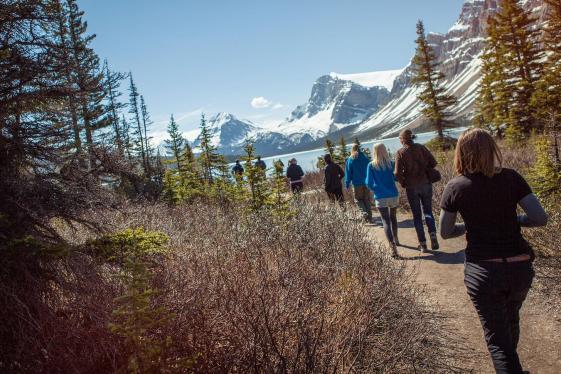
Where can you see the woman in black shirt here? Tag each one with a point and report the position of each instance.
(498, 270)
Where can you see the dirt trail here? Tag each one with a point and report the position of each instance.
(442, 274)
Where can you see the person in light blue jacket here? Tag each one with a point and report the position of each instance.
(380, 180)
(355, 173)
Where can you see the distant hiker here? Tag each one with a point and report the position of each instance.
(498, 269)
(334, 174)
(295, 173)
(355, 171)
(260, 164)
(413, 163)
(380, 179)
(237, 170)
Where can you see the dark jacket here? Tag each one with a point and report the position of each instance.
(261, 164)
(411, 165)
(294, 173)
(237, 169)
(333, 176)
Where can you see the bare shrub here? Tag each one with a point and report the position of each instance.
(313, 294)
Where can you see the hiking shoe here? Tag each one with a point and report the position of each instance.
(434, 242)
(423, 248)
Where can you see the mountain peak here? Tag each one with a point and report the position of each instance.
(372, 79)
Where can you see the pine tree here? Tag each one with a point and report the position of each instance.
(427, 76)
(127, 143)
(342, 152)
(146, 123)
(547, 97)
(138, 135)
(278, 199)
(209, 158)
(89, 77)
(329, 149)
(112, 83)
(175, 144)
(256, 179)
(521, 41)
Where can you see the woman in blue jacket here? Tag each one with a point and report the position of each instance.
(380, 180)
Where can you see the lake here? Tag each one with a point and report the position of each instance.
(308, 159)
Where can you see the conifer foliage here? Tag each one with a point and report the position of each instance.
(511, 67)
(427, 76)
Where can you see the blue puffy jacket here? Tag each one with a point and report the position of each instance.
(381, 182)
(355, 170)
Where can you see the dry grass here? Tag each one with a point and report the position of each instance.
(247, 293)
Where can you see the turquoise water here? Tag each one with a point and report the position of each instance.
(308, 159)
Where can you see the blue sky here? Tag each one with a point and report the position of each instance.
(189, 56)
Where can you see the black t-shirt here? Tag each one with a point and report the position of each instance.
(488, 208)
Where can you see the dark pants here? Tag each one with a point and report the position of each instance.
(497, 291)
(336, 196)
(362, 199)
(389, 220)
(297, 187)
(420, 201)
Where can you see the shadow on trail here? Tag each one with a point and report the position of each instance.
(407, 224)
(438, 257)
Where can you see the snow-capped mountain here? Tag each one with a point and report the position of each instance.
(338, 101)
(458, 52)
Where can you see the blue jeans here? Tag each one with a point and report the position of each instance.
(420, 200)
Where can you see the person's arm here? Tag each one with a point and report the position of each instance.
(370, 182)
(431, 161)
(301, 171)
(341, 172)
(535, 214)
(348, 176)
(448, 227)
(399, 172)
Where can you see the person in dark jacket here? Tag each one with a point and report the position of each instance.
(294, 173)
(333, 176)
(237, 170)
(355, 174)
(412, 163)
(260, 164)
(498, 269)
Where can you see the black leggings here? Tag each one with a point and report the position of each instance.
(389, 220)
(498, 291)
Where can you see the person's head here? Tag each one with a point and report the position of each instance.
(406, 137)
(477, 152)
(355, 150)
(258, 158)
(327, 159)
(293, 161)
(237, 162)
(381, 158)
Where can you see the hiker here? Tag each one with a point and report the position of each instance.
(334, 174)
(498, 268)
(260, 164)
(237, 170)
(413, 163)
(355, 174)
(380, 180)
(295, 173)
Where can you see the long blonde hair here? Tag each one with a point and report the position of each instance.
(381, 158)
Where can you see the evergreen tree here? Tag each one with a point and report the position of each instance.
(137, 141)
(146, 123)
(278, 199)
(112, 83)
(547, 97)
(520, 39)
(127, 143)
(329, 149)
(209, 158)
(256, 179)
(342, 152)
(89, 77)
(175, 144)
(427, 76)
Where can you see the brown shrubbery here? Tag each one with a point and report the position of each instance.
(240, 292)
